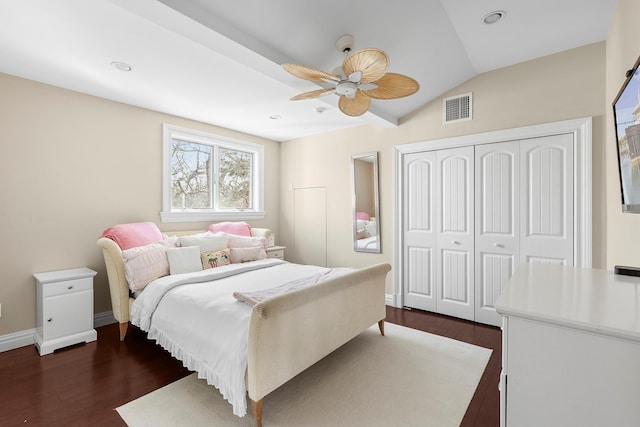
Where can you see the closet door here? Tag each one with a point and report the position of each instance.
(455, 235)
(497, 224)
(546, 200)
(419, 267)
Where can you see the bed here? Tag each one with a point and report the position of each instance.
(318, 318)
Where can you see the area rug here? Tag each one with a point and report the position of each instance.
(406, 378)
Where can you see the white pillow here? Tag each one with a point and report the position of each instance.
(184, 260)
(248, 242)
(146, 263)
(239, 255)
(207, 242)
(371, 228)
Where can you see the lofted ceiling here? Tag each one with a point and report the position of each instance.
(218, 62)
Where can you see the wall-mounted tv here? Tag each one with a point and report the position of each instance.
(626, 114)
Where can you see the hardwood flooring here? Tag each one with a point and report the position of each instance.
(82, 385)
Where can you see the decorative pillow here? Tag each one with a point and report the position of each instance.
(362, 215)
(238, 228)
(248, 242)
(184, 260)
(133, 235)
(208, 242)
(239, 255)
(143, 264)
(216, 259)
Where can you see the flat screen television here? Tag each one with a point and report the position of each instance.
(626, 114)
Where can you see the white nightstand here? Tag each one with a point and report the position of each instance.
(276, 252)
(64, 314)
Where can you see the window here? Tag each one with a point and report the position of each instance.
(207, 177)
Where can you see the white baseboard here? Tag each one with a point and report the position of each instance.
(17, 340)
(25, 338)
(393, 300)
(103, 319)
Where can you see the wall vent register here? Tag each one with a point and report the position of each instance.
(457, 108)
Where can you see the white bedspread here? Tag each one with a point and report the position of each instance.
(196, 318)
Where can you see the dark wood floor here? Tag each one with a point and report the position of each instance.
(82, 385)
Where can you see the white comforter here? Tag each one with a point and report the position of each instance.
(196, 318)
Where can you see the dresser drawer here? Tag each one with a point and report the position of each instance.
(67, 287)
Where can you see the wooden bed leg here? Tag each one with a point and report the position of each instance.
(123, 330)
(381, 326)
(256, 407)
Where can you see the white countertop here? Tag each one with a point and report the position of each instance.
(588, 299)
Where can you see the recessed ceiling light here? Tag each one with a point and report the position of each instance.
(275, 117)
(122, 66)
(493, 17)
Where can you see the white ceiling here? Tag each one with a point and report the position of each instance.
(219, 62)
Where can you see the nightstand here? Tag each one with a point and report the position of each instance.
(276, 252)
(64, 314)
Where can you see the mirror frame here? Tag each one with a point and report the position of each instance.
(376, 197)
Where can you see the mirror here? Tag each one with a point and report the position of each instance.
(365, 212)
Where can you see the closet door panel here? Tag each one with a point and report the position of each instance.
(455, 232)
(497, 224)
(547, 200)
(419, 231)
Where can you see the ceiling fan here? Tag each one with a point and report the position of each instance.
(362, 76)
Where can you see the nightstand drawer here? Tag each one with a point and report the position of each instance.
(279, 253)
(66, 287)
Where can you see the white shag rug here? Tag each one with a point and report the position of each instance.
(406, 378)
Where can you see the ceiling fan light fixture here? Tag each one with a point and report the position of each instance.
(346, 88)
(363, 76)
(493, 17)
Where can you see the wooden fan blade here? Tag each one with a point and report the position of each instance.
(372, 62)
(356, 106)
(313, 94)
(309, 73)
(392, 85)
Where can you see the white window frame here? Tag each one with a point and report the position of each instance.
(168, 214)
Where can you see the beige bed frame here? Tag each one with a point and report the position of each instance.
(317, 320)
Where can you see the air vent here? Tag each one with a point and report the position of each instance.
(457, 108)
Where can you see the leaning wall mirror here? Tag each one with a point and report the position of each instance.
(365, 212)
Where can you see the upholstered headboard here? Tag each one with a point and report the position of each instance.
(118, 285)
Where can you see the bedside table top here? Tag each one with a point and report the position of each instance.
(61, 275)
(275, 248)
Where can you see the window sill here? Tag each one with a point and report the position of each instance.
(209, 216)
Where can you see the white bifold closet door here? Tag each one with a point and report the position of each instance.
(419, 278)
(546, 200)
(471, 214)
(455, 232)
(497, 217)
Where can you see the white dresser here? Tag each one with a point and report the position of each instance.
(571, 348)
(64, 312)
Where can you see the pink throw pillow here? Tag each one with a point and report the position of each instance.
(237, 228)
(133, 235)
(362, 215)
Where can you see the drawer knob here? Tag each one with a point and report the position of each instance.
(49, 319)
(70, 287)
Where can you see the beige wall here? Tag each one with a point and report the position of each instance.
(564, 86)
(623, 47)
(72, 165)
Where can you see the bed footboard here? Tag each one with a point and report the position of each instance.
(291, 332)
